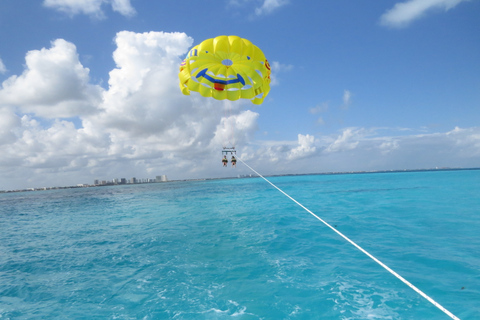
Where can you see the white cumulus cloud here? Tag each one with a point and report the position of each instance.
(403, 13)
(348, 140)
(123, 7)
(306, 147)
(8, 122)
(53, 85)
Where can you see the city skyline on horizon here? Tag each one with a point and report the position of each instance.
(250, 175)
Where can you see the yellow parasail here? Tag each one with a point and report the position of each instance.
(226, 67)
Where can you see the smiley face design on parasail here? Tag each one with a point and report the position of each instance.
(226, 67)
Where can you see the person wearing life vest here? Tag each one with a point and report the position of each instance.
(234, 162)
(225, 161)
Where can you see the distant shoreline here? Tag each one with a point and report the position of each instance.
(242, 177)
(378, 171)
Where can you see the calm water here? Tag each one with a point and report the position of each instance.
(239, 249)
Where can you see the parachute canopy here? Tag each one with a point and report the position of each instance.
(226, 67)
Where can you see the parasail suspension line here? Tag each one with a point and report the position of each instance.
(436, 304)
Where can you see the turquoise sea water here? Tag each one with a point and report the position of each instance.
(239, 249)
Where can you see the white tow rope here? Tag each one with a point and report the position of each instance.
(436, 304)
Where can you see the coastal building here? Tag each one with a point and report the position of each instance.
(162, 178)
(118, 181)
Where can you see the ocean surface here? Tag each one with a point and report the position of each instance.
(240, 249)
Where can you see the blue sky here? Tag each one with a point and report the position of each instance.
(89, 89)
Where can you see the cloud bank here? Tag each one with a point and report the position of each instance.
(366, 149)
(58, 128)
(55, 121)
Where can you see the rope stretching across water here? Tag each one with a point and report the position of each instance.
(436, 304)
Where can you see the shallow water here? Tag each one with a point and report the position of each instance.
(240, 249)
